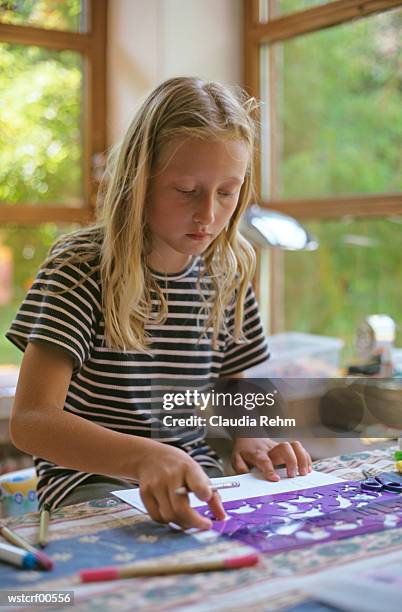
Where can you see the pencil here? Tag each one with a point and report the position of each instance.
(44, 526)
(15, 539)
(20, 557)
(214, 487)
(134, 571)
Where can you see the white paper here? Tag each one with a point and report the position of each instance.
(251, 485)
(362, 586)
(358, 595)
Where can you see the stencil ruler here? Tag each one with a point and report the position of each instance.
(284, 521)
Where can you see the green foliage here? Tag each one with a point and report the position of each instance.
(341, 112)
(40, 155)
(341, 101)
(51, 14)
(30, 246)
(40, 142)
(355, 272)
(292, 6)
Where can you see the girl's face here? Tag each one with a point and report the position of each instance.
(192, 194)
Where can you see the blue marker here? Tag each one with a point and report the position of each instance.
(18, 556)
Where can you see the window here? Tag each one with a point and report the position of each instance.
(41, 154)
(22, 249)
(53, 135)
(62, 15)
(329, 76)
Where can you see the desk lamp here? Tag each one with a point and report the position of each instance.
(266, 228)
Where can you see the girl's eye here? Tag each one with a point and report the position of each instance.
(224, 194)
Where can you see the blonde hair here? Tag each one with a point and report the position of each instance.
(179, 106)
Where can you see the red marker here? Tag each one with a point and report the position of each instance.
(133, 571)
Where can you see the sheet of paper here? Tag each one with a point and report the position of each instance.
(358, 595)
(251, 485)
(368, 586)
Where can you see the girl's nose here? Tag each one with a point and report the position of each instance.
(204, 215)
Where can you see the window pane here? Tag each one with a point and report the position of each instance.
(355, 272)
(339, 111)
(268, 10)
(22, 250)
(263, 11)
(283, 7)
(40, 118)
(49, 14)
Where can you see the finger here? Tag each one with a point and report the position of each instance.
(164, 505)
(239, 465)
(151, 505)
(216, 506)
(287, 456)
(301, 456)
(198, 482)
(184, 515)
(310, 462)
(265, 465)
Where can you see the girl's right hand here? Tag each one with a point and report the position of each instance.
(163, 470)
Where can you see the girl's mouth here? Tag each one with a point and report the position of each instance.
(198, 236)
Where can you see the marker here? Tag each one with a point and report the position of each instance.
(101, 574)
(15, 539)
(19, 557)
(214, 487)
(44, 526)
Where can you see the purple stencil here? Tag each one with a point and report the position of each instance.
(283, 521)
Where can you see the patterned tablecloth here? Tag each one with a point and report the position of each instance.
(109, 532)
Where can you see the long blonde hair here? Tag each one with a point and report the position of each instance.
(179, 106)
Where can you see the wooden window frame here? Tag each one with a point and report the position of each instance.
(278, 29)
(92, 46)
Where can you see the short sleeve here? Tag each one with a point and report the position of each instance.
(240, 356)
(61, 308)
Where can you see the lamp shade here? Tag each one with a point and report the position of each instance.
(268, 228)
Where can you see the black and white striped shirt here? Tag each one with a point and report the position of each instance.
(122, 390)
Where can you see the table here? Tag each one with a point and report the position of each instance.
(109, 531)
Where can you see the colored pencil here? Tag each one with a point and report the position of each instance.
(101, 574)
(214, 487)
(18, 541)
(19, 557)
(44, 526)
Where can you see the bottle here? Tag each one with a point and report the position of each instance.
(398, 456)
(387, 367)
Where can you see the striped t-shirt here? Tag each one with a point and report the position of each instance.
(122, 390)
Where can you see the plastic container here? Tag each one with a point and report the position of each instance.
(397, 361)
(18, 493)
(298, 355)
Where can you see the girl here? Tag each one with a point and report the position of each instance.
(158, 290)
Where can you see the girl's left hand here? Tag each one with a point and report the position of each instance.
(264, 454)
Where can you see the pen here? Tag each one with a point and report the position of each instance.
(214, 487)
(44, 526)
(20, 557)
(15, 539)
(133, 571)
